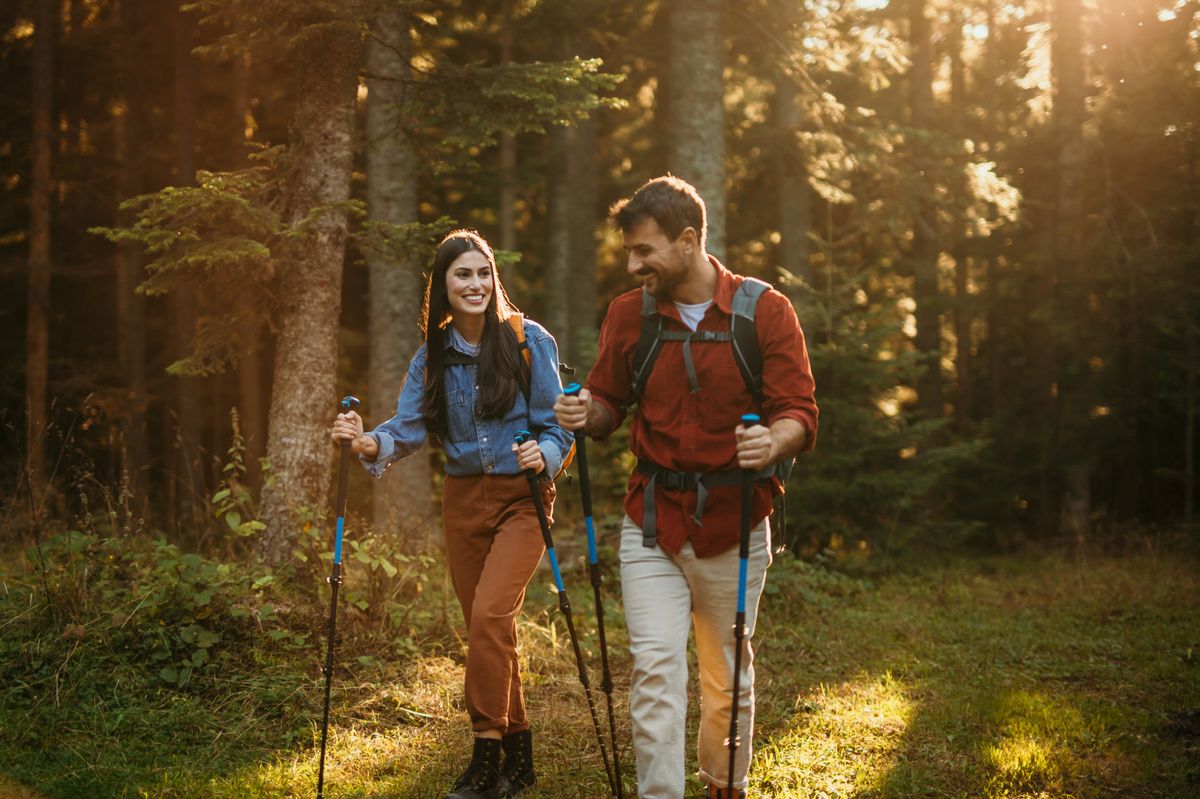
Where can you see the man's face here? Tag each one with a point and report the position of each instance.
(654, 259)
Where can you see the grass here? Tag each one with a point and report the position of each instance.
(1033, 676)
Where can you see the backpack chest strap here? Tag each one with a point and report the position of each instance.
(455, 358)
(687, 337)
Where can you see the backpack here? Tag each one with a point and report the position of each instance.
(742, 336)
(516, 322)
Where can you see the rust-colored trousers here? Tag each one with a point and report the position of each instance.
(493, 546)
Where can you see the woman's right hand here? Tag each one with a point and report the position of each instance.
(349, 427)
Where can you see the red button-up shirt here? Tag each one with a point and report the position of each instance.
(694, 432)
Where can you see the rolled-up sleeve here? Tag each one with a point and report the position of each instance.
(404, 433)
(610, 379)
(545, 386)
(788, 385)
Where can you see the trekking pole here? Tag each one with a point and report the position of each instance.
(585, 493)
(348, 403)
(564, 606)
(739, 626)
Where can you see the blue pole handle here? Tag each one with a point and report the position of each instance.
(522, 436)
(751, 418)
(572, 390)
(349, 402)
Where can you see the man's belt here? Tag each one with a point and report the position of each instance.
(700, 482)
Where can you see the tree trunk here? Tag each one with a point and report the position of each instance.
(304, 393)
(1071, 282)
(584, 178)
(963, 359)
(992, 268)
(131, 307)
(1189, 426)
(795, 199)
(925, 238)
(182, 438)
(403, 501)
(252, 401)
(253, 369)
(696, 110)
(507, 213)
(37, 340)
(557, 291)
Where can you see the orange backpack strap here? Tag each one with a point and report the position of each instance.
(517, 322)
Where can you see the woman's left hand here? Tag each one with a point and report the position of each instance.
(529, 456)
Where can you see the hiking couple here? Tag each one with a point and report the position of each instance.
(471, 389)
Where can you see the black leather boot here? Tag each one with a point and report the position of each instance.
(516, 774)
(482, 777)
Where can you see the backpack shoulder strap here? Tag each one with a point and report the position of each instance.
(746, 351)
(648, 345)
(516, 321)
(748, 356)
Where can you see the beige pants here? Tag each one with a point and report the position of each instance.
(663, 596)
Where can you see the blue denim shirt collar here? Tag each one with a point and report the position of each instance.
(475, 445)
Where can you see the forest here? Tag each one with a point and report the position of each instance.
(217, 218)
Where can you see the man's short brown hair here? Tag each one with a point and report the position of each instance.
(671, 202)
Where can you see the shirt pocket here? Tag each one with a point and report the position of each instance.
(460, 416)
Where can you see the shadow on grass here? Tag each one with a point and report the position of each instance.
(1008, 678)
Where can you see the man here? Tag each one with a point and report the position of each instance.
(679, 539)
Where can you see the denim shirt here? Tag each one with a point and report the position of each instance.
(475, 445)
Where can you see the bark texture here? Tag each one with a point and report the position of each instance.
(304, 392)
(696, 107)
(403, 500)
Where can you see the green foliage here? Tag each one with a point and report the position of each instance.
(232, 502)
(876, 466)
(462, 108)
(810, 584)
(990, 678)
(275, 27)
(398, 243)
(174, 613)
(227, 237)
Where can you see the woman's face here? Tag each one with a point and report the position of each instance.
(469, 284)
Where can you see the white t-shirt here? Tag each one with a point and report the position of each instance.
(692, 314)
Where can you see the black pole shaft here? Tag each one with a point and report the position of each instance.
(739, 627)
(606, 683)
(564, 605)
(335, 582)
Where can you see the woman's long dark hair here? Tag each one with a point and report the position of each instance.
(501, 371)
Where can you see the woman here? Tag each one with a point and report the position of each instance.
(469, 389)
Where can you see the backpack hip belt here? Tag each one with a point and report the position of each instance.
(700, 482)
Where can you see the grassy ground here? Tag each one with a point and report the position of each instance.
(1032, 676)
